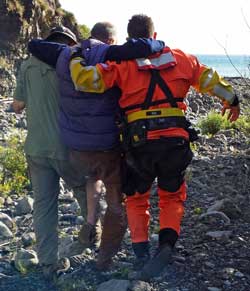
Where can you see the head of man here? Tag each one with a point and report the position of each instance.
(141, 25)
(105, 32)
(62, 34)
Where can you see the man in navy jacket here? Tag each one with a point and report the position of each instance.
(88, 122)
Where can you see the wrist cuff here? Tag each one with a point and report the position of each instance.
(236, 101)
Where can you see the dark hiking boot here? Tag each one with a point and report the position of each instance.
(90, 235)
(155, 266)
(104, 265)
(78, 260)
(140, 262)
(53, 271)
(141, 250)
(167, 236)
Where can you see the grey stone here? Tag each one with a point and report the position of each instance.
(66, 197)
(140, 286)
(25, 260)
(213, 216)
(6, 220)
(8, 201)
(216, 206)
(239, 274)
(79, 220)
(114, 285)
(219, 234)
(28, 239)
(226, 206)
(24, 205)
(2, 200)
(74, 207)
(5, 232)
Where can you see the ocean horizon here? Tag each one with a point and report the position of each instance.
(227, 66)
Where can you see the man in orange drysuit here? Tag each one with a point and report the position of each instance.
(157, 132)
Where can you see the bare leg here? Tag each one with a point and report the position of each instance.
(94, 190)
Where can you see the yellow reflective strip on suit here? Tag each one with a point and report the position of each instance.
(155, 113)
(211, 82)
(86, 79)
(156, 62)
(208, 75)
(224, 92)
(208, 79)
(74, 69)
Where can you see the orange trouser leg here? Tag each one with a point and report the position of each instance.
(138, 216)
(172, 208)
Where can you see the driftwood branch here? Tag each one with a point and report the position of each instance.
(245, 19)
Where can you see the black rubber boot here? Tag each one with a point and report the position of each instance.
(154, 267)
(167, 236)
(142, 254)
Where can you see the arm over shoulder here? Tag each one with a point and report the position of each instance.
(133, 49)
(46, 51)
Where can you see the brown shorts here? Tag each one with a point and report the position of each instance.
(101, 165)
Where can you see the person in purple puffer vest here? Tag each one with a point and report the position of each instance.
(88, 124)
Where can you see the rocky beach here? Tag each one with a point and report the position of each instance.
(213, 251)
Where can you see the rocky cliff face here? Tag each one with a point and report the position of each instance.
(21, 20)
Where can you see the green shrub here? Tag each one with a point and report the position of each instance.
(4, 64)
(43, 4)
(215, 122)
(13, 167)
(84, 30)
(243, 122)
(210, 124)
(197, 210)
(15, 7)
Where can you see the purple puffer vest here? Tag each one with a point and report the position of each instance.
(87, 120)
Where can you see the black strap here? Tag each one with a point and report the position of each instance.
(164, 87)
(156, 79)
(153, 103)
(151, 89)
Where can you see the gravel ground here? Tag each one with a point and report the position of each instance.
(213, 252)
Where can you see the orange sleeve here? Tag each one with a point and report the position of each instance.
(110, 73)
(198, 69)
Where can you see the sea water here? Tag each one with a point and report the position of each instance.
(228, 66)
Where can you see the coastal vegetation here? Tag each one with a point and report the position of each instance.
(214, 122)
(13, 166)
(84, 31)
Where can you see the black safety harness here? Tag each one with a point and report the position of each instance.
(137, 124)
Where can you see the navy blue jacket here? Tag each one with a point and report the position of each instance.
(87, 121)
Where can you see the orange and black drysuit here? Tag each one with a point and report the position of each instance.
(157, 133)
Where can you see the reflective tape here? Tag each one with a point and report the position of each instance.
(165, 59)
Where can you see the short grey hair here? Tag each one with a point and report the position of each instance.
(103, 31)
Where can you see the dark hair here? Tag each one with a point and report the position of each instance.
(103, 31)
(140, 25)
